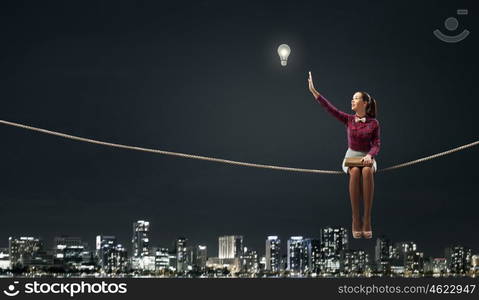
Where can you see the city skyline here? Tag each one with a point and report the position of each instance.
(211, 243)
(230, 247)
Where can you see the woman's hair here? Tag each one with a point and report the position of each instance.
(371, 107)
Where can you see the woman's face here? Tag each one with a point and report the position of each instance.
(357, 103)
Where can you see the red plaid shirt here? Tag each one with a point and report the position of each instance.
(361, 136)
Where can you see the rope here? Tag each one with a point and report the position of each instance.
(431, 156)
(226, 161)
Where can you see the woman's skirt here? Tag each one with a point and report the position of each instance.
(354, 153)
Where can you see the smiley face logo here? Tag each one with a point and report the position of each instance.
(10, 291)
(451, 24)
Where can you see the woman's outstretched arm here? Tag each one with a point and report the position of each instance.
(341, 116)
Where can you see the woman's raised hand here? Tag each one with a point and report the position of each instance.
(311, 85)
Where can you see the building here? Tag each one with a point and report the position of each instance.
(118, 259)
(230, 246)
(297, 255)
(436, 267)
(162, 258)
(190, 257)
(354, 262)
(140, 240)
(333, 242)
(233, 265)
(284, 262)
(475, 264)
(458, 259)
(173, 259)
(313, 248)
(201, 256)
(181, 254)
(382, 255)
(147, 263)
(111, 256)
(273, 254)
(262, 263)
(69, 251)
(4, 259)
(28, 251)
(405, 259)
(104, 244)
(249, 261)
(88, 261)
(140, 247)
(413, 259)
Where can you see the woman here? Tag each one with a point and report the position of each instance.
(363, 141)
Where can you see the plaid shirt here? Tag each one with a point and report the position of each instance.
(361, 136)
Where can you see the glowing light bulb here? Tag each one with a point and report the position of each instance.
(283, 52)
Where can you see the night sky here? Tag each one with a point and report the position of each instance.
(204, 78)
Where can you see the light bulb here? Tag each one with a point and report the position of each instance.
(283, 52)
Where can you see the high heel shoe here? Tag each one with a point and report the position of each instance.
(356, 234)
(367, 234)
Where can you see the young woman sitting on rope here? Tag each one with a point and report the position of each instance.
(363, 141)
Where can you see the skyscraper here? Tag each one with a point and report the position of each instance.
(112, 257)
(313, 247)
(230, 246)
(181, 254)
(201, 256)
(190, 257)
(333, 241)
(118, 259)
(103, 244)
(297, 255)
(140, 240)
(382, 255)
(458, 259)
(273, 253)
(409, 258)
(249, 261)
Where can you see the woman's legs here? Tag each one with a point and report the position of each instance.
(355, 194)
(368, 194)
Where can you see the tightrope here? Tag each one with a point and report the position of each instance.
(226, 161)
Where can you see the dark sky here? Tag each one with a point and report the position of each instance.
(204, 78)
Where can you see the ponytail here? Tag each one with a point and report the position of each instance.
(371, 108)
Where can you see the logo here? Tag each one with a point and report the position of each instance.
(68, 288)
(10, 292)
(451, 24)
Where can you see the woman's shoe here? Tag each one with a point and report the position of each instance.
(356, 234)
(367, 234)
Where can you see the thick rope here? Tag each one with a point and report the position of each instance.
(431, 156)
(226, 161)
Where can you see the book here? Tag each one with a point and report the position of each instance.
(353, 162)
